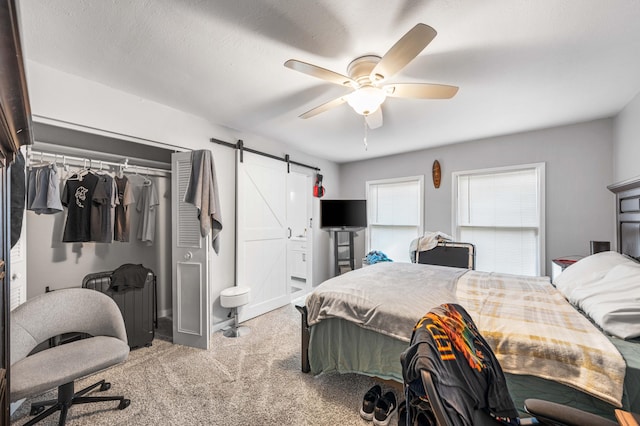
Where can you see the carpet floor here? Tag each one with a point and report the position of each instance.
(251, 380)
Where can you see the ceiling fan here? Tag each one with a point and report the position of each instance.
(367, 76)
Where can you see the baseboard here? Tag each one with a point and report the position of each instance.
(165, 313)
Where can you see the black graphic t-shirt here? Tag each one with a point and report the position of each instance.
(464, 369)
(77, 197)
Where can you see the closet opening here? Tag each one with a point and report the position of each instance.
(50, 263)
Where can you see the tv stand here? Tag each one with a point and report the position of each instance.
(343, 255)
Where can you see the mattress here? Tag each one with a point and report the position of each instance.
(344, 337)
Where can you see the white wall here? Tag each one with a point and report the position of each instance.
(626, 148)
(65, 98)
(578, 158)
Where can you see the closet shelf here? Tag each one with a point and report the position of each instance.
(63, 159)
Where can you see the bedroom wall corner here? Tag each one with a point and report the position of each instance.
(626, 142)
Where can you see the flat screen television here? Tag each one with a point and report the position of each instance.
(343, 214)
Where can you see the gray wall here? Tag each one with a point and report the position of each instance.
(626, 151)
(58, 265)
(578, 158)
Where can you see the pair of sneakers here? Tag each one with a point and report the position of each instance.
(378, 407)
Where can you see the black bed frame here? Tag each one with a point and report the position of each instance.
(628, 216)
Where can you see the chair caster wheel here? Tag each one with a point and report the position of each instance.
(36, 410)
(105, 386)
(124, 404)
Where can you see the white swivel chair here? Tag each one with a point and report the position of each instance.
(234, 297)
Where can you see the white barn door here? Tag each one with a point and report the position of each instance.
(190, 254)
(261, 250)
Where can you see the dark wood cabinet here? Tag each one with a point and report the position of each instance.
(4, 295)
(15, 131)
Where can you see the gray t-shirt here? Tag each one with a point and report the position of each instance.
(44, 190)
(105, 199)
(147, 206)
(122, 222)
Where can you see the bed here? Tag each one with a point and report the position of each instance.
(369, 324)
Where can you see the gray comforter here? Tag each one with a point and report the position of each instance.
(363, 296)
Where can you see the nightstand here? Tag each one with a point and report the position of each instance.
(560, 264)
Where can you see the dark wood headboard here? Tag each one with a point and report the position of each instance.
(628, 216)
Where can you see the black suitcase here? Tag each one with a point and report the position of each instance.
(138, 306)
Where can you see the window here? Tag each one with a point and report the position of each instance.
(501, 211)
(394, 215)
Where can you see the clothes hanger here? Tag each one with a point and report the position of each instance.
(65, 166)
(121, 168)
(79, 174)
(33, 162)
(147, 181)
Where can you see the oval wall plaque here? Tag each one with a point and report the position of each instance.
(436, 173)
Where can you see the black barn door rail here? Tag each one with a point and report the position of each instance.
(240, 147)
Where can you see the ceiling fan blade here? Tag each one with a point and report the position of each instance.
(319, 72)
(374, 120)
(420, 90)
(324, 107)
(403, 52)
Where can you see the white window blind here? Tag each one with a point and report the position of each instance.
(394, 215)
(500, 211)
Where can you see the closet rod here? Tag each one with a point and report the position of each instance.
(240, 146)
(31, 154)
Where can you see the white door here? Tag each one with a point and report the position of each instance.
(299, 214)
(190, 254)
(261, 249)
(18, 286)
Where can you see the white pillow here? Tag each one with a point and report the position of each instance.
(613, 302)
(587, 270)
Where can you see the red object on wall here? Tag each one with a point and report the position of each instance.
(318, 189)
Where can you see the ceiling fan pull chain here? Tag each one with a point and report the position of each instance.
(366, 131)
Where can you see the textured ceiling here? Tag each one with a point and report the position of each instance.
(520, 64)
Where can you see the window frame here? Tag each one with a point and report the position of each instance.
(541, 175)
(417, 178)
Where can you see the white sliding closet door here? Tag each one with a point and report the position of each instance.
(190, 254)
(262, 234)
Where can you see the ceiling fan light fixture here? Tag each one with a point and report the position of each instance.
(366, 100)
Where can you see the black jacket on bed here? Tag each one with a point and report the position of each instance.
(465, 372)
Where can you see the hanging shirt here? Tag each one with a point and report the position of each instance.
(147, 206)
(44, 190)
(18, 190)
(122, 213)
(77, 197)
(31, 187)
(105, 198)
